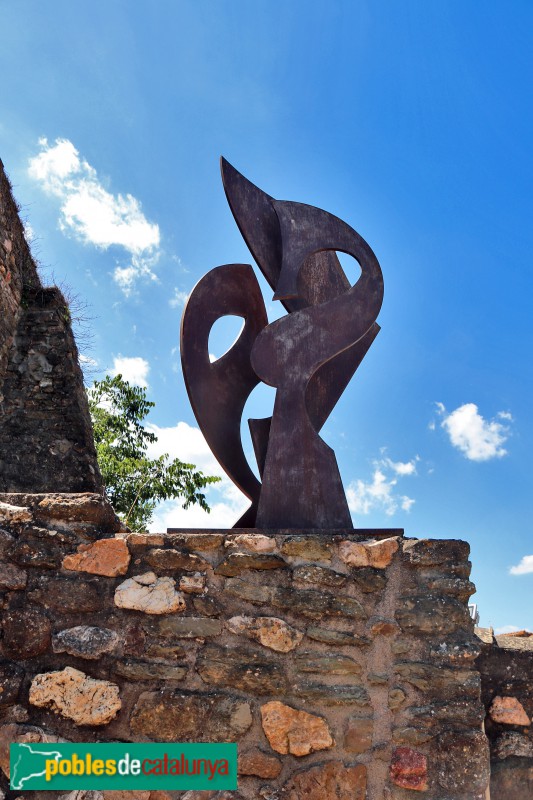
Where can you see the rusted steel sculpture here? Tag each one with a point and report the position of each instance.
(308, 355)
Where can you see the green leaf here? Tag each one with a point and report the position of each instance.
(136, 483)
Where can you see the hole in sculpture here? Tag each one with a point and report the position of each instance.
(223, 335)
(350, 265)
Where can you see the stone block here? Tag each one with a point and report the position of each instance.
(462, 763)
(27, 633)
(296, 732)
(149, 594)
(409, 769)
(327, 663)
(172, 559)
(256, 762)
(242, 668)
(333, 779)
(271, 632)
(109, 557)
(71, 693)
(236, 563)
(377, 554)
(179, 716)
(358, 734)
(432, 614)
(85, 641)
(172, 627)
(508, 711)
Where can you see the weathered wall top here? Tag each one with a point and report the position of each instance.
(46, 440)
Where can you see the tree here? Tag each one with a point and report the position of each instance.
(134, 482)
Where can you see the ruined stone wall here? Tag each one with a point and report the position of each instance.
(506, 667)
(46, 441)
(18, 274)
(342, 665)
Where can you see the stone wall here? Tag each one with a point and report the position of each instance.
(506, 667)
(46, 441)
(343, 665)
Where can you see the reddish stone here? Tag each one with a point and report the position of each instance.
(383, 627)
(109, 557)
(508, 711)
(358, 734)
(255, 762)
(327, 781)
(409, 769)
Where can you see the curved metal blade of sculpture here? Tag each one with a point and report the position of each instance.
(309, 356)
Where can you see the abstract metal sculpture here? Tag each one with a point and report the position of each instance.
(309, 356)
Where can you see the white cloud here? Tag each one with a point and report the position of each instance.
(477, 438)
(506, 629)
(227, 503)
(178, 299)
(380, 493)
(134, 370)
(94, 215)
(525, 567)
(403, 467)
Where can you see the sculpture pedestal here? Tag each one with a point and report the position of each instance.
(342, 664)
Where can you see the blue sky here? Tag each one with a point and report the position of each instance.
(411, 121)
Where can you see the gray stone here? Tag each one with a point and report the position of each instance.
(11, 676)
(170, 559)
(252, 592)
(86, 507)
(462, 763)
(172, 627)
(312, 573)
(432, 614)
(196, 540)
(410, 735)
(440, 584)
(378, 678)
(85, 641)
(179, 716)
(26, 633)
(437, 680)
(40, 547)
(326, 663)
(72, 596)
(369, 579)
(330, 636)
(236, 563)
(401, 647)
(149, 671)
(428, 552)
(458, 649)
(512, 743)
(307, 602)
(511, 778)
(207, 606)
(310, 548)
(462, 713)
(165, 652)
(243, 668)
(11, 577)
(333, 695)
